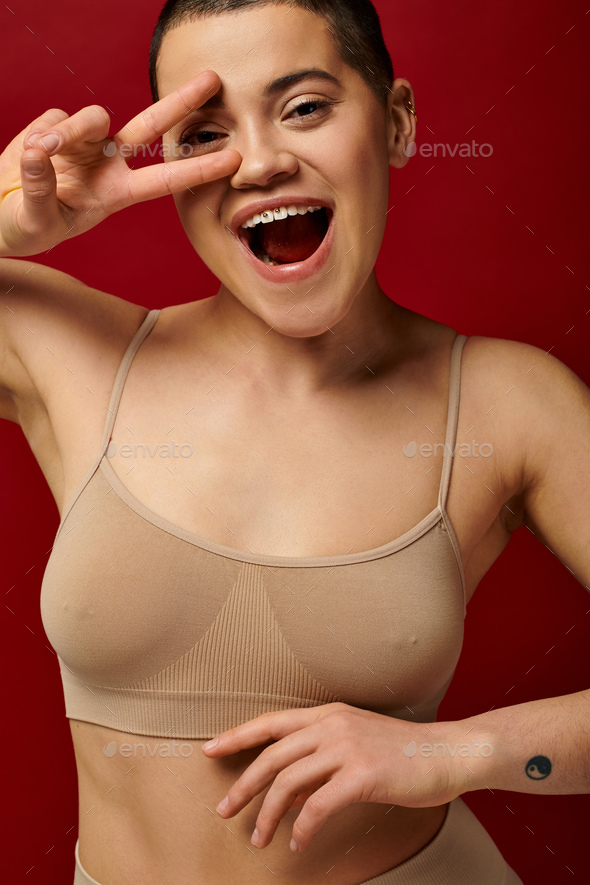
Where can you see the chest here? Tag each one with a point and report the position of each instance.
(287, 478)
(215, 454)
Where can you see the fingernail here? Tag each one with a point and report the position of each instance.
(32, 139)
(222, 805)
(255, 836)
(294, 846)
(33, 167)
(49, 142)
(210, 744)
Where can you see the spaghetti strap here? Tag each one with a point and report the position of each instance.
(132, 348)
(449, 455)
(113, 406)
(452, 420)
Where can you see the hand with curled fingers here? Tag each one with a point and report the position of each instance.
(59, 177)
(326, 758)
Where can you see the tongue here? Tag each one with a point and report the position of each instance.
(294, 239)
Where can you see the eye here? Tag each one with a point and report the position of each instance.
(310, 109)
(206, 137)
(202, 137)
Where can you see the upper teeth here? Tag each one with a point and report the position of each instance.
(279, 214)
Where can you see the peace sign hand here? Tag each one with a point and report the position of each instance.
(81, 180)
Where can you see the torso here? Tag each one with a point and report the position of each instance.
(335, 478)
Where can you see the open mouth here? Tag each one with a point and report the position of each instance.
(287, 235)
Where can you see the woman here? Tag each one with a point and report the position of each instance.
(250, 589)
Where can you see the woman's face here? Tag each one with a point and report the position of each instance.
(318, 140)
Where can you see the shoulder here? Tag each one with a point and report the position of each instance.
(529, 399)
(54, 326)
(492, 363)
(545, 432)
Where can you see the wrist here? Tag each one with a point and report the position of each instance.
(467, 746)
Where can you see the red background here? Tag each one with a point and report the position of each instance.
(457, 249)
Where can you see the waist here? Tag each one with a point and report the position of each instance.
(153, 816)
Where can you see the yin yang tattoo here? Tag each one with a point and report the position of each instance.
(538, 768)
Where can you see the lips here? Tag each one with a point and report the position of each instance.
(283, 272)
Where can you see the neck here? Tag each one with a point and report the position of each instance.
(356, 348)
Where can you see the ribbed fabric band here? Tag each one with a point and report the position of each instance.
(171, 713)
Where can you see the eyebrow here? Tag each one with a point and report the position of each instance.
(284, 83)
(278, 86)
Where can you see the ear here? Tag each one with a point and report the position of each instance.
(401, 124)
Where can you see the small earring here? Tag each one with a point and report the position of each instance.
(410, 107)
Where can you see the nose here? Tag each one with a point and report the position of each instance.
(266, 160)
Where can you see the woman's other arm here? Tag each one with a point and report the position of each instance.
(542, 746)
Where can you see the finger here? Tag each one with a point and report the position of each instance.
(160, 179)
(329, 799)
(268, 765)
(91, 124)
(40, 209)
(268, 726)
(306, 774)
(42, 124)
(161, 116)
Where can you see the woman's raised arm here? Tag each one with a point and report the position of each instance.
(60, 177)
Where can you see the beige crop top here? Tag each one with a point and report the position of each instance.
(161, 632)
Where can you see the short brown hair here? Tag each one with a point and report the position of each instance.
(354, 23)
